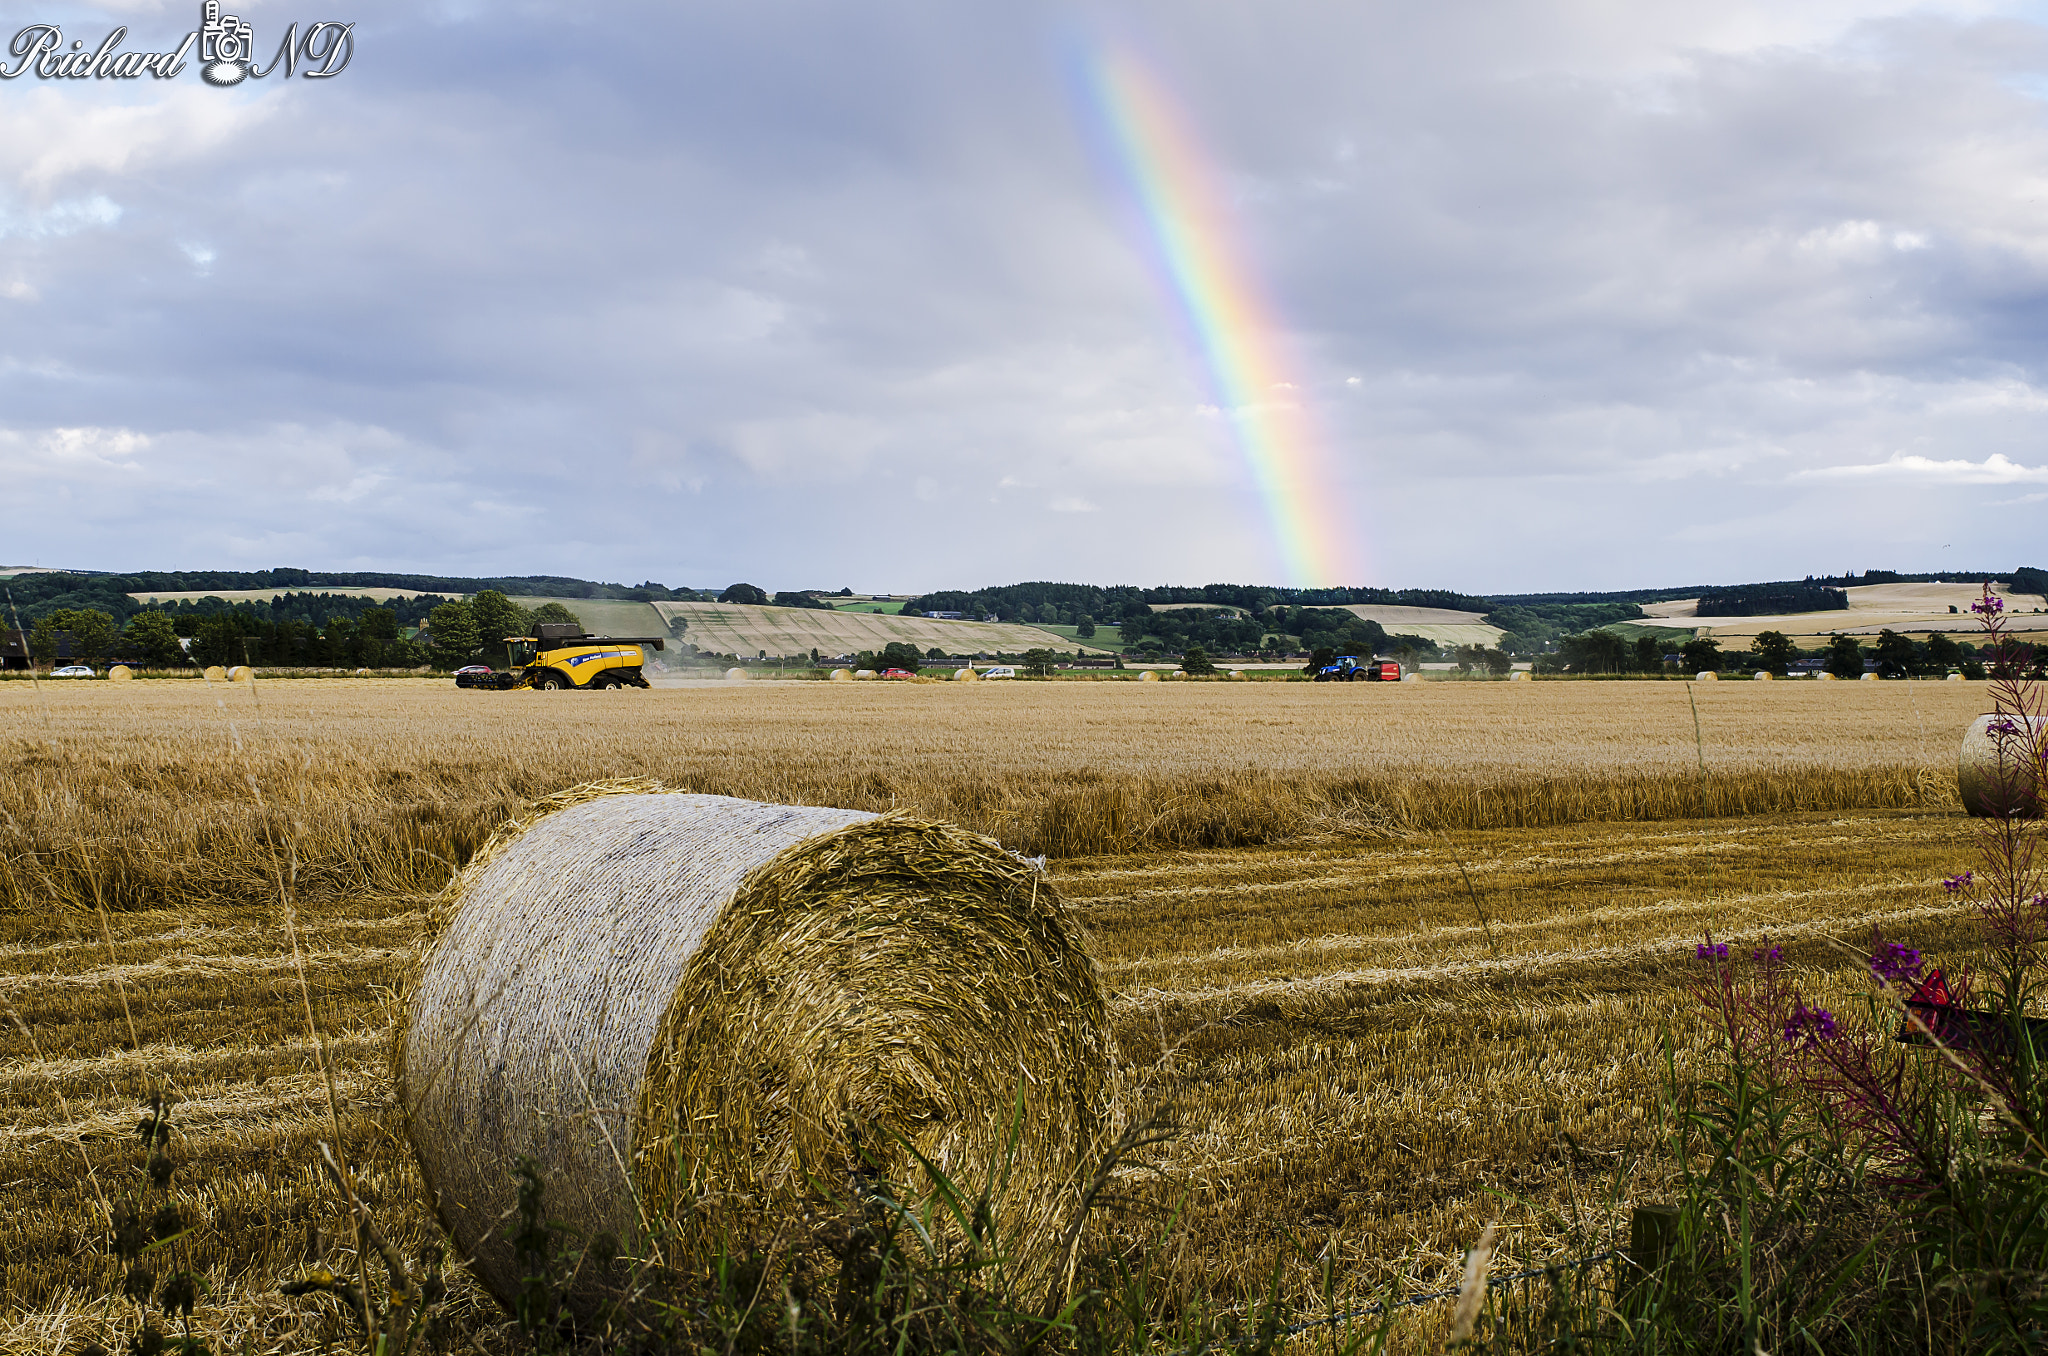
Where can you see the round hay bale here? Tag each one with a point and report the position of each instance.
(1411, 677)
(362, 673)
(842, 675)
(694, 1013)
(1766, 676)
(2002, 765)
(966, 676)
(1149, 676)
(865, 675)
(1825, 677)
(1518, 676)
(1239, 676)
(1953, 678)
(1870, 678)
(120, 673)
(215, 674)
(241, 673)
(1706, 676)
(735, 675)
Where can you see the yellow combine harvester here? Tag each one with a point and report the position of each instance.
(562, 656)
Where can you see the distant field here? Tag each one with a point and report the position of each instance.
(1913, 609)
(1439, 624)
(734, 628)
(267, 595)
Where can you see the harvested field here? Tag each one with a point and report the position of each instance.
(137, 794)
(1406, 996)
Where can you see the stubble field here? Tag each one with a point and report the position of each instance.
(1397, 961)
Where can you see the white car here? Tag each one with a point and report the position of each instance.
(73, 671)
(1000, 671)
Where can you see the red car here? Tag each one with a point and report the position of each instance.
(897, 673)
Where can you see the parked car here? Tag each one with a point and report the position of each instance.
(73, 671)
(896, 673)
(999, 671)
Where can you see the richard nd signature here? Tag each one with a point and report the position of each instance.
(227, 52)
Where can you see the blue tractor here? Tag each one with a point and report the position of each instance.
(1348, 669)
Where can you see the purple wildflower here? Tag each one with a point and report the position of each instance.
(1895, 964)
(1711, 951)
(1956, 884)
(1988, 604)
(2002, 726)
(1808, 1027)
(1770, 956)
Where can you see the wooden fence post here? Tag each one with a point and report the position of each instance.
(1652, 1234)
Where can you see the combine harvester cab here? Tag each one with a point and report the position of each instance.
(1348, 669)
(563, 656)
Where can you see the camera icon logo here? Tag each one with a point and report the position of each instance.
(226, 44)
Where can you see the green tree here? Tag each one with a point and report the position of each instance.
(498, 617)
(1895, 657)
(378, 623)
(1498, 662)
(151, 634)
(1773, 650)
(1702, 654)
(1649, 654)
(455, 634)
(1320, 658)
(1084, 626)
(1038, 663)
(86, 632)
(899, 655)
(555, 614)
(1196, 661)
(1943, 654)
(1845, 657)
(744, 593)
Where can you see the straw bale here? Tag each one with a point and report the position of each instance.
(1519, 676)
(1825, 677)
(735, 675)
(2001, 775)
(1148, 676)
(1766, 676)
(1706, 676)
(1869, 677)
(241, 673)
(864, 675)
(842, 675)
(120, 673)
(1238, 676)
(966, 676)
(1953, 678)
(703, 1018)
(215, 674)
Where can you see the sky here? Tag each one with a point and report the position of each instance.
(1502, 297)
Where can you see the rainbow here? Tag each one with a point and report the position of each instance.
(1240, 336)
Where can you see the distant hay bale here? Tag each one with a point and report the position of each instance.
(120, 673)
(694, 1012)
(1870, 678)
(1411, 677)
(1177, 674)
(2000, 773)
(1766, 676)
(966, 676)
(215, 674)
(1825, 677)
(1706, 676)
(1239, 676)
(865, 675)
(1953, 678)
(842, 675)
(1519, 676)
(241, 673)
(735, 675)
(1149, 676)
(362, 673)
